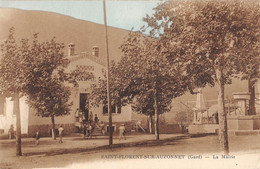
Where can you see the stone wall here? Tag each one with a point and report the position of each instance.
(169, 128)
(251, 122)
(45, 129)
(203, 129)
(128, 126)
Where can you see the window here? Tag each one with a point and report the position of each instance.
(105, 109)
(95, 51)
(118, 109)
(114, 109)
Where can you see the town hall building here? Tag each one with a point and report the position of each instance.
(88, 63)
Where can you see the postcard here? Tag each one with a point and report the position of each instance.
(129, 84)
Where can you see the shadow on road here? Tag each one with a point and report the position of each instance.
(146, 143)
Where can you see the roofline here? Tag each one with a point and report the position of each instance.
(83, 55)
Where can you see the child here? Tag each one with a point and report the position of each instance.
(122, 131)
(37, 137)
(89, 130)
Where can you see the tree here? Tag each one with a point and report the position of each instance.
(145, 78)
(205, 37)
(46, 77)
(184, 117)
(248, 69)
(12, 77)
(248, 66)
(37, 72)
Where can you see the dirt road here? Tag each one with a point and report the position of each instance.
(199, 152)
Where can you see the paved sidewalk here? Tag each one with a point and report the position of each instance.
(48, 146)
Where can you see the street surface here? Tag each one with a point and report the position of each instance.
(173, 151)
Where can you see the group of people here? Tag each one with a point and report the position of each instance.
(87, 132)
(89, 127)
(37, 135)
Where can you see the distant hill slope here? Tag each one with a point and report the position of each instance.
(66, 29)
(84, 35)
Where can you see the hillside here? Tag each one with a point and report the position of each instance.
(84, 35)
(66, 29)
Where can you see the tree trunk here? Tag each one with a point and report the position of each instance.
(151, 127)
(223, 135)
(148, 124)
(156, 117)
(251, 89)
(53, 128)
(18, 124)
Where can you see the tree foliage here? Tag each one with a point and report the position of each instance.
(140, 70)
(37, 70)
(12, 55)
(151, 72)
(46, 77)
(12, 77)
(208, 39)
(143, 77)
(184, 117)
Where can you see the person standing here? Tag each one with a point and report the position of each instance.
(122, 131)
(11, 132)
(60, 133)
(89, 130)
(96, 119)
(84, 130)
(37, 137)
(102, 127)
(91, 117)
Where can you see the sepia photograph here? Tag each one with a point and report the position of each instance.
(130, 84)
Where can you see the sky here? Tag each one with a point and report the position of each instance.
(125, 14)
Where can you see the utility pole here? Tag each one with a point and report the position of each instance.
(108, 81)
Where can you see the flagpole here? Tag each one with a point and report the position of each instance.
(108, 80)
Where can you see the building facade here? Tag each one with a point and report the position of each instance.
(88, 63)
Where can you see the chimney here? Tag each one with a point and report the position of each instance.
(95, 51)
(71, 49)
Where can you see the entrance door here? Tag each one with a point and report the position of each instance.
(84, 104)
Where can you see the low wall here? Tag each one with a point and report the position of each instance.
(243, 122)
(45, 129)
(203, 128)
(128, 126)
(170, 128)
(243, 132)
